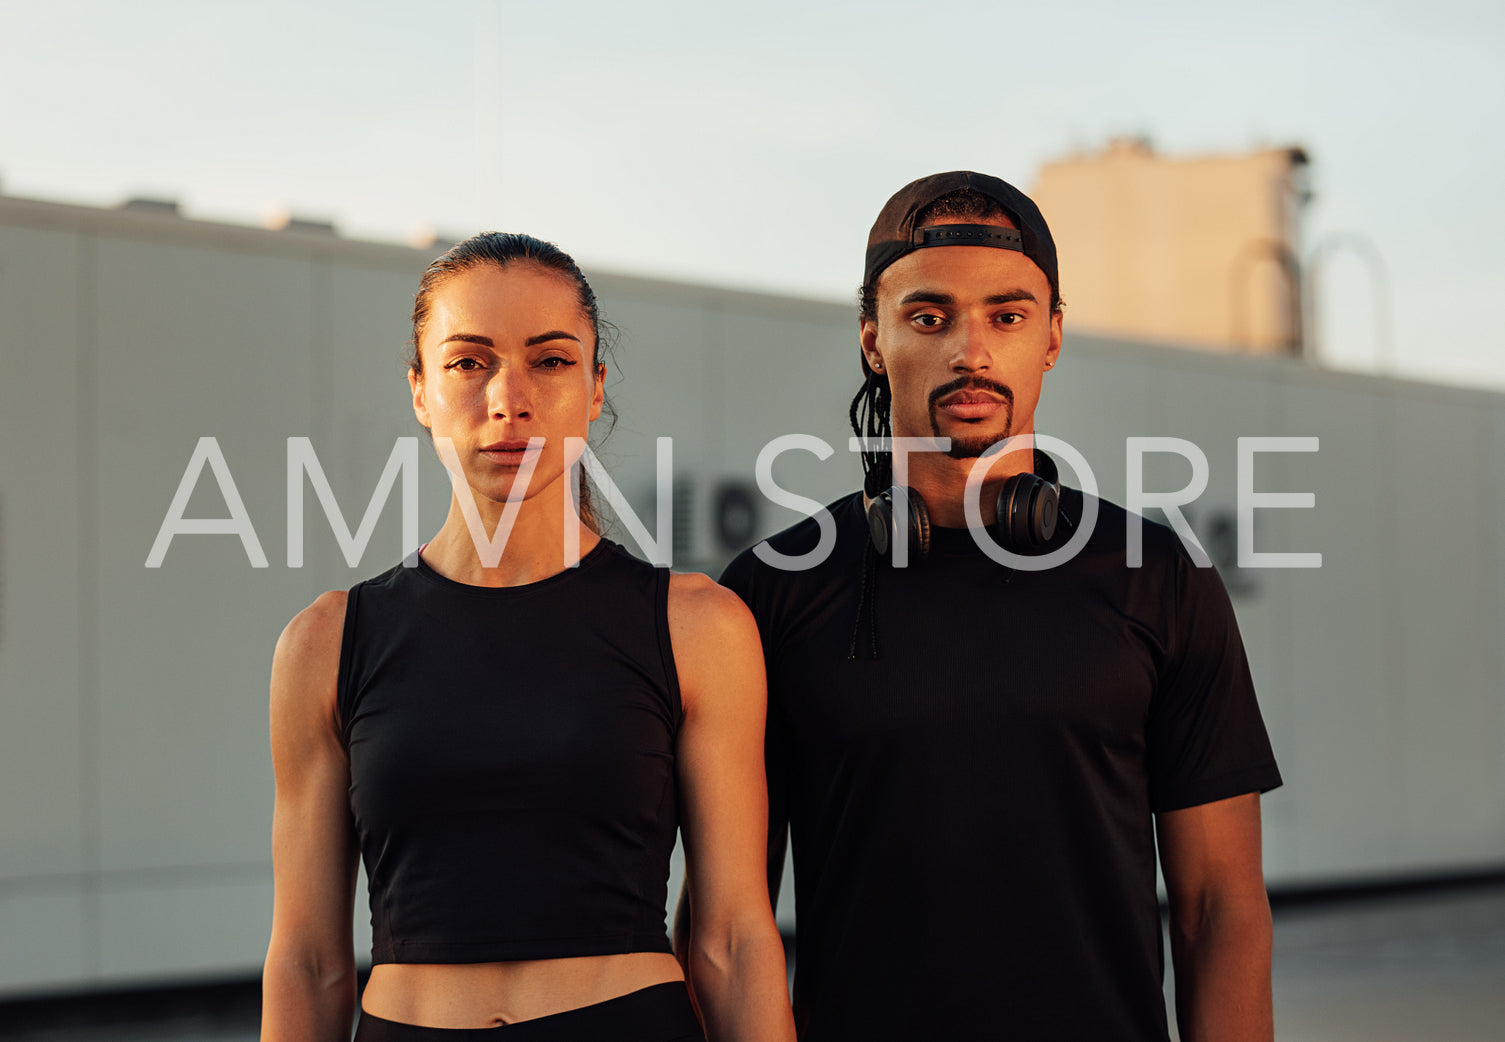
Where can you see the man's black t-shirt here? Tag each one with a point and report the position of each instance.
(971, 809)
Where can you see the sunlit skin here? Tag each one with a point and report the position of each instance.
(949, 316)
(507, 357)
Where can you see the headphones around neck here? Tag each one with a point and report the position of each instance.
(1028, 506)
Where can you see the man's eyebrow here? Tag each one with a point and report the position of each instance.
(1011, 296)
(927, 296)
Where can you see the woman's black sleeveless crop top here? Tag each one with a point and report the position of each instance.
(512, 760)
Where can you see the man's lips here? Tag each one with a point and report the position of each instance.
(969, 405)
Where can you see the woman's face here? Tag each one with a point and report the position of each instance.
(506, 357)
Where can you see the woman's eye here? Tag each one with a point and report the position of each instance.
(554, 362)
(465, 365)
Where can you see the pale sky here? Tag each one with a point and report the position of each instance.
(752, 145)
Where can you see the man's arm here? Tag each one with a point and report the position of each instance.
(1219, 920)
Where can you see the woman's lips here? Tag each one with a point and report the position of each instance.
(507, 453)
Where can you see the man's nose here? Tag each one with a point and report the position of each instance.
(970, 350)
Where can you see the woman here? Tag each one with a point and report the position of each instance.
(506, 738)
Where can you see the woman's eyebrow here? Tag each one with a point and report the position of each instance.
(486, 341)
(469, 338)
(553, 334)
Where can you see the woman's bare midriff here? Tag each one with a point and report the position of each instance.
(480, 995)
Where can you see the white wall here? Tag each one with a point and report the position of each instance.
(1380, 674)
(135, 784)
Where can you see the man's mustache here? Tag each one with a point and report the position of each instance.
(971, 383)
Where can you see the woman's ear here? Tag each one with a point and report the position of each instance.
(599, 398)
(420, 405)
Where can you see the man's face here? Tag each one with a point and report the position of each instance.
(964, 334)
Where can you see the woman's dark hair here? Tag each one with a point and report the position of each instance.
(500, 249)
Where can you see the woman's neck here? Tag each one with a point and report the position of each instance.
(490, 548)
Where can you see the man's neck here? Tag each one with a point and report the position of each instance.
(942, 481)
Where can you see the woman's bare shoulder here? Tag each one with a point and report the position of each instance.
(306, 663)
(716, 645)
(701, 607)
(315, 626)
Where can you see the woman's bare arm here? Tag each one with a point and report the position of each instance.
(736, 958)
(308, 983)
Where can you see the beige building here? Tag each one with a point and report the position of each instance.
(1199, 252)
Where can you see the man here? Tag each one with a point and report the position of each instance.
(975, 759)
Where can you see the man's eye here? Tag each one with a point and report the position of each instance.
(928, 319)
(1010, 318)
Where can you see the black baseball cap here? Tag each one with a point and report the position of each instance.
(894, 234)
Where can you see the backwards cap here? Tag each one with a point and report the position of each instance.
(894, 233)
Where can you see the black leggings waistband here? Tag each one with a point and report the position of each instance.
(661, 1013)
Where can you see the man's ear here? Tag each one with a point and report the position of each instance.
(1053, 353)
(868, 337)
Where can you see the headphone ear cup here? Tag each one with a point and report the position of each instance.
(1006, 524)
(883, 531)
(1047, 508)
(880, 521)
(919, 525)
(1027, 508)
